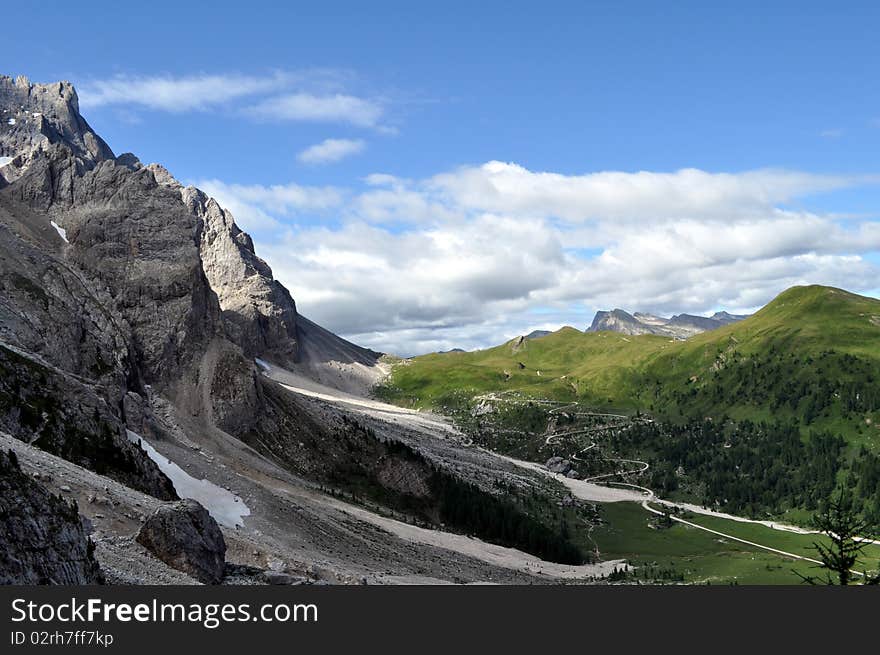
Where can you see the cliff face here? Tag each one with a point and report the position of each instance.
(42, 539)
(258, 312)
(120, 285)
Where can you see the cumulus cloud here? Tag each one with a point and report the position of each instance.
(331, 150)
(504, 187)
(259, 208)
(474, 256)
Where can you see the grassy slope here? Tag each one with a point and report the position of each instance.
(782, 343)
(703, 557)
(564, 365)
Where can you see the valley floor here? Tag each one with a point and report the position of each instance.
(274, 520)
(736, 549)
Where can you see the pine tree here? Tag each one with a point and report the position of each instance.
(848, 533)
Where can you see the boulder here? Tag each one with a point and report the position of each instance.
(573, 474)
(184, 536)
(558, 465)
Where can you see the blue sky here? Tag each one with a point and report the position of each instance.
(401, 233)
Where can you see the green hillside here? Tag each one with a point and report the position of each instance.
(811, 356)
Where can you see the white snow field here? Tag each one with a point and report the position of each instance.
(226, 508)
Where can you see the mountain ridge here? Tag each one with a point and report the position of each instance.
(679, 326)
(138, 322)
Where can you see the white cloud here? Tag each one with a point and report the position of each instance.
(477, 255)
(336, 108)
(258, 208)
(308, 95)
(177, 94)
(331, 150)
(643, 196)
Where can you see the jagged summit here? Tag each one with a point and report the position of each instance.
(678, 326)
(617, 320)
(58, 161)
(147, 352)
(34, 117)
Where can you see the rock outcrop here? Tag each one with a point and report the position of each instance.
(58, 412)
(42, 538)
(259, 314)
(184, 536)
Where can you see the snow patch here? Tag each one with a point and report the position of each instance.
(262, 364)
(11, 121)
(5, 160)
(226, 508)
(60, 230)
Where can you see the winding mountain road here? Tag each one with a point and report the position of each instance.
(585, 489)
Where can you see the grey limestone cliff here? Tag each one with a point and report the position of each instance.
(42, 538)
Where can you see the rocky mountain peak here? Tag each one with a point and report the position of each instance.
(679, 326)
(617, 320)
(34, 117)
(259, 313)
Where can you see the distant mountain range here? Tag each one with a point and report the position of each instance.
(680, 326)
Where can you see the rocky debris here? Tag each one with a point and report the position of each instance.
(239, 574)
(404, 477)
(281, 578)
(573, 474)
(482, 408)
(184, 536)
(558, 465)
(126, 562)
(42, 537)
(335, 362)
